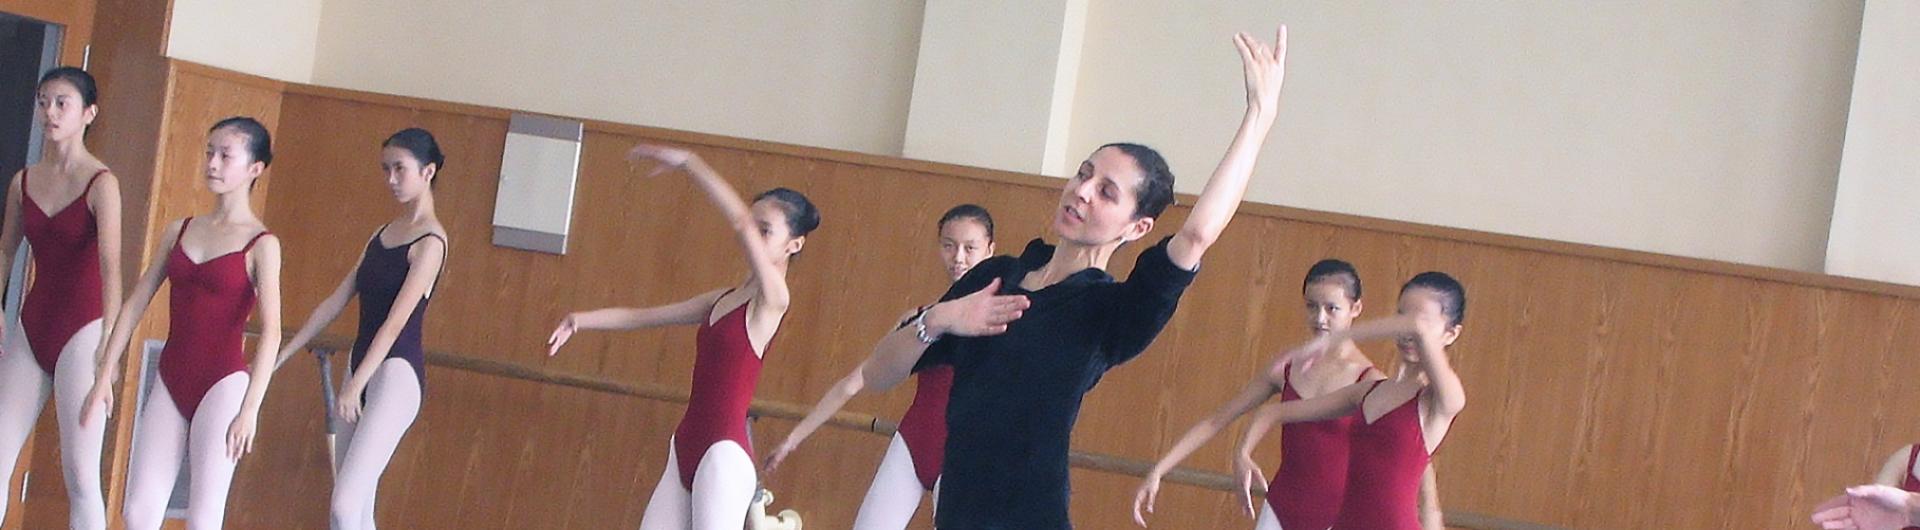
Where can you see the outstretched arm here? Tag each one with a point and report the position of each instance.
(752, 237)
(323, 314)
(1265, 68)
(685, 312)
(835, 399)
(1250, 396)
(983, 313)
(1327, 406)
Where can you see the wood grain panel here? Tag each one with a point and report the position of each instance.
(1608, 389)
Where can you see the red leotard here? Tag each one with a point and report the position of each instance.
(924, 427)
(66, 268)
(725, 372)
(1306, 490)
(208, 314)
(1383, 474)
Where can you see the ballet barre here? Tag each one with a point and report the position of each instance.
(762, 408)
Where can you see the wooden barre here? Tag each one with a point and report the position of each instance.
(867, 423)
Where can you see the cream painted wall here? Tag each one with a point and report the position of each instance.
(994, 84)
(1706, 129)
(272, 38)
(1877, 205)
(1710, 128)
(834, 73)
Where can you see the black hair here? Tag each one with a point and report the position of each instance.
(419, 143)
(80, 79)
(259, 141)
(802, 216)
(1156, 185)
(1453, 296)
(969, 212)
(1334, 270)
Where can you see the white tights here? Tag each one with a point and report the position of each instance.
(23, 393)
(364, 448)
(895, 493)
(723, 487)
(162, 437)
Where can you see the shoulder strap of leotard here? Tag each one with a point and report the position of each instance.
(250, 242)
(1363, 375)
(1911, 455)
(90, 180)
(1363, 397)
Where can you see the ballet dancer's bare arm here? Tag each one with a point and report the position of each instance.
(423, 268)
(1445, 397)
(685, 312)
(100, 399)
(773, 297)
(1870, 507)
(982, 313)
(323, 314)
(1250, 396)
(1895, 470)
(1265, 69)
(264, 259)
(1246, 471)
(1431, 518)
(104, 201)
(830, 403)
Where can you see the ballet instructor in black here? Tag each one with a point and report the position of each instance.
(1027, 337)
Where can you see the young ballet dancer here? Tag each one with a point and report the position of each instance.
(206, 403)
(1028, 337)
(67, 207)
(1402, 419)
(1306, 490)
(912, 463)
(709, 478)
(394, 280)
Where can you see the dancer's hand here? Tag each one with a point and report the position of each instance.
(1248, 472)
(1866, 508)
(561, 333)
(778, 456)
(99, 403)
(667, 158)
(1265, 68)
(979, 314)
(1143, 497)
(347, 404)
(240, 435)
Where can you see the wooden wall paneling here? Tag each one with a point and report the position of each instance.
(1606, 387)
